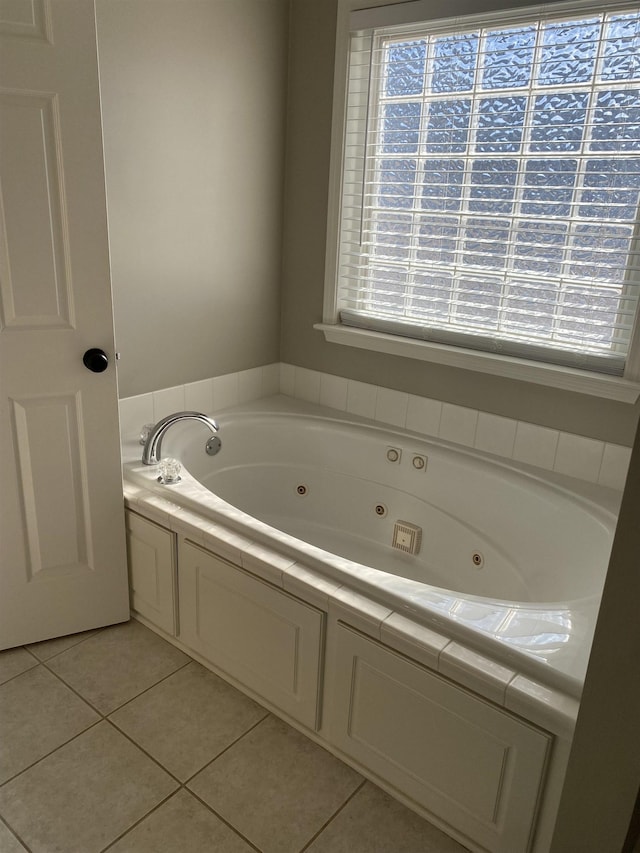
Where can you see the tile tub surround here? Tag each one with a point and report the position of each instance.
(586, 459)
(206, 395)
(148, 778)
(551, 450)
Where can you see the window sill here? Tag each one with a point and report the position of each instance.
(554, 376)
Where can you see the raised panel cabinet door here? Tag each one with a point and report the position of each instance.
(152, 571)
(262, 637)
(62, 541)
(470, 764)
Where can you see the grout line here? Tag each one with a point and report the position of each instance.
(103, 714)
(605, 444)
(555, 453)
(227, 747)
(162, 766)
(139, 821)
(147, 689)
(50, 753)
(29, 652)
(20, 674)
(180, 786)
(104, 718)
(93, 633)
(223, 820)
(73, 690)
(143, 750)
(15, 834)
(475, 427)
(333, 816)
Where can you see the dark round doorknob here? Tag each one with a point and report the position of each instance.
(95, 360)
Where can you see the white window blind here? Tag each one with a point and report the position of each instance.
(491, 182)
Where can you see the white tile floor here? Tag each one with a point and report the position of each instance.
(115, 740)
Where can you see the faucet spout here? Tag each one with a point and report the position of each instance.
(152, 449)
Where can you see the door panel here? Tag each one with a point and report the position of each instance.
(26, 18)
(62, 544)
(49, 452)
(28, 166)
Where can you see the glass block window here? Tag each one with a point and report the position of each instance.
(491, 185)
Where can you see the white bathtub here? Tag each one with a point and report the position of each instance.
(511, 562)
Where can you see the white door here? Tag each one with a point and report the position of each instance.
(62, 546)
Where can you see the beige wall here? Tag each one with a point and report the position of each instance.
(193, 98)
(311, 70)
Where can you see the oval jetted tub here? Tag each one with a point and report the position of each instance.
(509, 559)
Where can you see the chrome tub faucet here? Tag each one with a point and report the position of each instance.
(152, 448)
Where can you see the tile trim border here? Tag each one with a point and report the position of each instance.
(586, 459)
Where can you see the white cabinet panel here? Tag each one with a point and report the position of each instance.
(152, 571)
(472, 765)
(260, 636)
